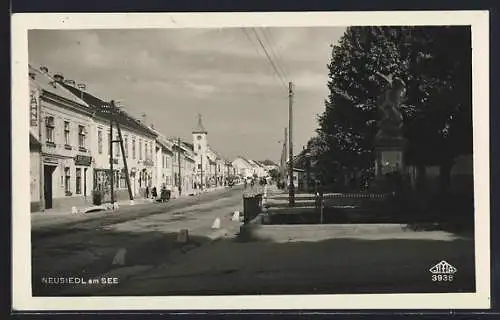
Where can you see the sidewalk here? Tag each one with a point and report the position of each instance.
(121, 203)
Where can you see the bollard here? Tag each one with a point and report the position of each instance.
(74, 210)
(183, 236)
(119, 258)
(216, 224)
(236, 216)
(132, 202)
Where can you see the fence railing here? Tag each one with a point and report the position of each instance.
(252, 207)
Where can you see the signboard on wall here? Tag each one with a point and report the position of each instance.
(33, 109)
(82, 160)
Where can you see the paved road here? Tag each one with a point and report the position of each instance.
(86, 246)
(389, 263)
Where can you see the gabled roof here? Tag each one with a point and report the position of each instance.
(45, 82)
(96, 104)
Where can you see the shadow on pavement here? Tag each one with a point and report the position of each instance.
(90, 254)
(241, 266)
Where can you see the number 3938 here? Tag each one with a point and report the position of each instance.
(442, 277)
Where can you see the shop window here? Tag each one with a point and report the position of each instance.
(133, 148)
(78, 180)
(49, 129)
(140, 149)
(125, 146)
(117, 147)
(67, 181)
(82, 135)
(99, 141)
(66, 133)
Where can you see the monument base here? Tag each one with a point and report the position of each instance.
(389, 164)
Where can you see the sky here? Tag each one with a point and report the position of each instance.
(223, 74)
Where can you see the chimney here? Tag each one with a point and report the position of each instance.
(70, 82)
(44, 69)
(58, 77)
(81, 86)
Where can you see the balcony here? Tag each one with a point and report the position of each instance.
(67, 147)
(82, 149)
(50, 144)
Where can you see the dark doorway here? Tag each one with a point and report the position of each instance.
(85, 182)
(47, 186)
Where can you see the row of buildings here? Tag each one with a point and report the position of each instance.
(70, 149)
(247, 168)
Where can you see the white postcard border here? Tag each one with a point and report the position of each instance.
(21, 285)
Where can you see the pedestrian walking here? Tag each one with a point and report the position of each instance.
(147, 192)
(164, 194)
(154, 194)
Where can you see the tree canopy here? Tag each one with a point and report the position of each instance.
(434, 62)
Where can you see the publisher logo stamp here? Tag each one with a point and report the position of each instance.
(443, 272)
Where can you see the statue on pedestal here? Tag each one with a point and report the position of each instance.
(389, 141)
(392, 120)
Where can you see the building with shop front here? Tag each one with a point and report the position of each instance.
(164, 162)
(139, 143)
(60, 154)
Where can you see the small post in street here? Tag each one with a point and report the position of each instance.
(291, 189)
(179, 165)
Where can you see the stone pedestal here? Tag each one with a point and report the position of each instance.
(389, 160)
(389, 155)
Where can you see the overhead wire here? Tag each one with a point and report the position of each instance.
(279, 59)
(271, 61)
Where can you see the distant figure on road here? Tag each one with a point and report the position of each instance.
(164, 194)
(147, 192)
(252, 182)
(245, 183)
(154, 194)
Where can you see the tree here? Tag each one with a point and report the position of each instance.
(268, 162)
(435, 62)
(274, 174)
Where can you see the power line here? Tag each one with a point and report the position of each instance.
(279, 59)
(276, 72)
(269, 58)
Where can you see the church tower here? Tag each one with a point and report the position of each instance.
(200, 148)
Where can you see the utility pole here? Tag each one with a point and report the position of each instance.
(201, 171)
(291, 190)
(124, 156)
(216, 168)
(112, 173)
(111, 141)
(284, 151)
(42, 168)
(179, 164)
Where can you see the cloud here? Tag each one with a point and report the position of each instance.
(223, 73)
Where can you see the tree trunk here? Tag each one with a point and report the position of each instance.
(421, 177)
(445, 176)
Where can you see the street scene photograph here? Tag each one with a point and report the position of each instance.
(251, 160)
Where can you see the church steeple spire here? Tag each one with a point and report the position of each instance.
(199, 128)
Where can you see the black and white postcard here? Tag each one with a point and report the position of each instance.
(251, 161)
